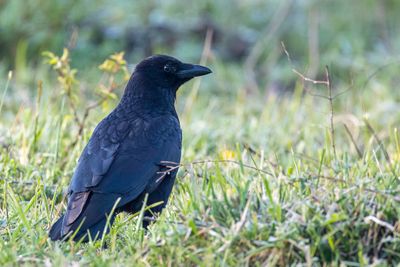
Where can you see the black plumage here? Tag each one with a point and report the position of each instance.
(125, 157)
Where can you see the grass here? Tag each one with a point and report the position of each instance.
(259, 185)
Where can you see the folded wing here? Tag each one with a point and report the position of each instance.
(121, 161)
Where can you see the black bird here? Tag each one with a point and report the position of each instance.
(126, 156)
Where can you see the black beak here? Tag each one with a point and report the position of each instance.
(188, 71)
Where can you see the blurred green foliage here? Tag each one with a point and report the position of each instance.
(346, 34)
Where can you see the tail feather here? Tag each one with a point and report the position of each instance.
(95, 231)
(91, 221)
(55, 231)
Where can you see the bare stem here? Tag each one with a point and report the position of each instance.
(359, 153)
(330, 98)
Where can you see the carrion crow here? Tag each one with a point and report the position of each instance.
(128, 152)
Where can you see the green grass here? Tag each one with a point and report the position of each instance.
(260, 183)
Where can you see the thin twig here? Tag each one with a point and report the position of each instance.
(353, 141)
(309, 79)
(176, 165)
(328, 83)
(332, 128)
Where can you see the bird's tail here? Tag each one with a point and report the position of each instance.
(95, 231)
(55, 231)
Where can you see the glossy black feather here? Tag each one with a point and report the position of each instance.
(124, 157)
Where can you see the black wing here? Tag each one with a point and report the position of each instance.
(121, 161)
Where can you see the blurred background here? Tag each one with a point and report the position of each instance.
(246, 35)
(251, 45)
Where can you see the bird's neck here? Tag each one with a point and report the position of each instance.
(145, 95)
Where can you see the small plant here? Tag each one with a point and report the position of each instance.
(112, 68)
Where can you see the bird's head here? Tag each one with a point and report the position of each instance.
(168, 72)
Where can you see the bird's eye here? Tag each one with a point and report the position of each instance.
(169, 68)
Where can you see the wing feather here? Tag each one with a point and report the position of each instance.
(122, 159)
